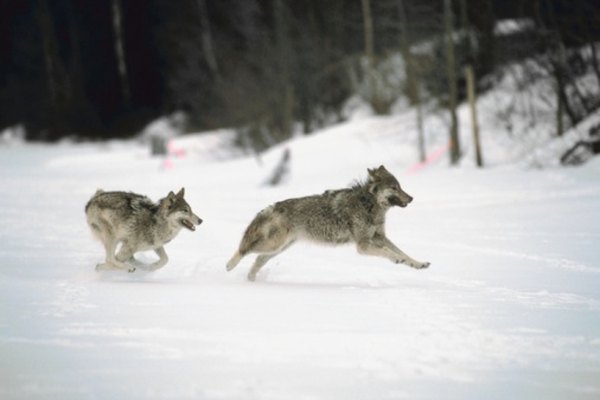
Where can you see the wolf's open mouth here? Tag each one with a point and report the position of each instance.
(188, 224)
(395, 201)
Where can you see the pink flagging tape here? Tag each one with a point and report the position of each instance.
(432, 157)
(168, 164)
(175, 151)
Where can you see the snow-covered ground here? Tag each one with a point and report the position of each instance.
(510, 307)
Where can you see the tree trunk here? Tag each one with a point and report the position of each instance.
(288, 110)
(207, 46)
(452, 89)
(49, 48)
(117, 22)
(595, 60)
(286, 103)
(412, 81)
(474, 121)
(75, 68)
(420, 131)
(559, 113)
(368, 27)
(561, 92)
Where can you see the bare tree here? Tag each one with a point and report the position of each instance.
(284, 106)
(452, 86)
(413, 88)
(368, 30)
(207, 42)
(470, 77)
(51, 60)
(117, 22)
(470, 80)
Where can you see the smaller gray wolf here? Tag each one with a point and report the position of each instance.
(352, 215)
(136, 223)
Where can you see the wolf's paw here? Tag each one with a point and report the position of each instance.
(102, 267)
(131, 269)
(154, 267)
(423, 265)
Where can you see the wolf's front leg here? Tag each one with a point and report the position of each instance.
(372, 247)
(383, 247)
(163, 258)
(401, 257)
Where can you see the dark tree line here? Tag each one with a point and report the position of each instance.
(105, 68)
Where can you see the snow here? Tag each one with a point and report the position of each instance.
(166, 127)
(510, 307)
(508, 27)
(13, 135)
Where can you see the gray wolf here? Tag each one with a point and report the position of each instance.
(352, 215)
(136, 223)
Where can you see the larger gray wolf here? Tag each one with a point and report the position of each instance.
(355, 214)
(137, 224)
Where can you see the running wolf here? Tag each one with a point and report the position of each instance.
(138, 224)
(355, 214)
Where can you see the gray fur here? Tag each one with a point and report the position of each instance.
(138, 224)
(353, 215)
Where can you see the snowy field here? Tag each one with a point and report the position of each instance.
(509, 309)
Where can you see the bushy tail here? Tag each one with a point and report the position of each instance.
(251, 237)
(231, 264)
(89, 203)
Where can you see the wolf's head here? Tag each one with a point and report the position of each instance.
(386, 189)
(177, 209)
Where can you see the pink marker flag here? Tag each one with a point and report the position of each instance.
(432, 157)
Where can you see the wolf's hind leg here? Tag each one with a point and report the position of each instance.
(107, 266)
(125, 255)
(104, 232)
(111, 260)
(266, 236)
(262, 259)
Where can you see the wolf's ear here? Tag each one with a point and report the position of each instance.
(376, 173)
(168, 201)
(181, 193)
(372, 174)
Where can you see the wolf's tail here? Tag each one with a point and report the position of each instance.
(231, 264)
(254, 232)
(252, 236)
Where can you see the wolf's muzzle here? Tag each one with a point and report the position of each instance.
(397, 201)
(190, 224)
